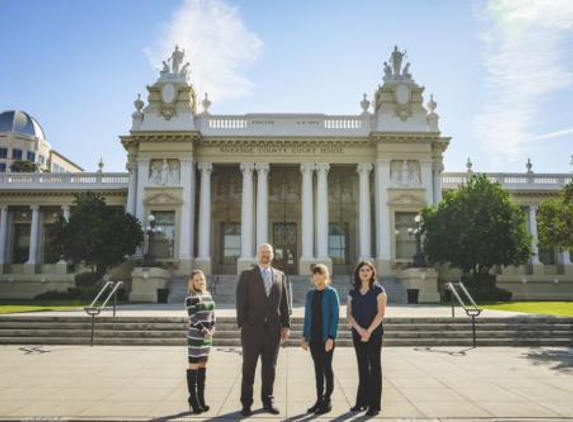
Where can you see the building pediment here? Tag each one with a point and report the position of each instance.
(163, 197)
(406, 196)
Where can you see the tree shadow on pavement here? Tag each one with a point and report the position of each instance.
(557, 359)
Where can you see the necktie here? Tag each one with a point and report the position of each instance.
(267, 281)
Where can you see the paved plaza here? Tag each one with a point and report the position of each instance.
(148, 383)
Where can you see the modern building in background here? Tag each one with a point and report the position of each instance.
(23, 139)
(321, 188)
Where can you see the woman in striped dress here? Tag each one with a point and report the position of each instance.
(201, 311)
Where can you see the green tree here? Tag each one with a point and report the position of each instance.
(555, 220)
(97, 235)
(22, 166)
(476, 228)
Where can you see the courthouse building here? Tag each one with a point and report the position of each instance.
(320, 188)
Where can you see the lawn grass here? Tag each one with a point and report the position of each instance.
(18, 306)
(544, 308)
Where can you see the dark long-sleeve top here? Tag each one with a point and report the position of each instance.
(330, 314)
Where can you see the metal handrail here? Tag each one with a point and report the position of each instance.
(94, 310)
(215, 280)
(472, 311)
(290, 295)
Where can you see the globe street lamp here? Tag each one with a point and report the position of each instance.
(419, 260)
(149, 258)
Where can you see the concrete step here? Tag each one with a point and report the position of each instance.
(221, 342)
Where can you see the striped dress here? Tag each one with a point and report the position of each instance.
(201, 311)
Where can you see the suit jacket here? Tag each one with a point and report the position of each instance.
(254, 308)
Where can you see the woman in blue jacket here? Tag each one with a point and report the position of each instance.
(320, 329)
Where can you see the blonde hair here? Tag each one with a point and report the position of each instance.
(322, 270)
(191, 285)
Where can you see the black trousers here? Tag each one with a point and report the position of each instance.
(368, 355)
(262, 342)
(322, 369)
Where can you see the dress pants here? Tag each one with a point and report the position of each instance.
(322, 369)
(264, 342)
(368, 355)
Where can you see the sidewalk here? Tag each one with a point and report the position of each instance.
(143, 383)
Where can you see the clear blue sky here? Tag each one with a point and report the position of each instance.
(500, 70)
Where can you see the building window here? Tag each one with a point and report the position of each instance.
(42, 159)
(3, 152)
(31, 156)
(231, 243)
(337, 241)
(2, 167)
(16, 154)
(51, 255)
(405, 241)
(21, 244)
(56, 168)
(164, 237)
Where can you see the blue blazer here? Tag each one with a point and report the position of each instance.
(330, 314)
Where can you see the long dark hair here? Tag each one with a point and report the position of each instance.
(356, 282)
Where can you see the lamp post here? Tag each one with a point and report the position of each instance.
(419, 260)
(149, 258)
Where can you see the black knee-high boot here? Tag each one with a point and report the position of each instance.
(192, 387)
(201, 375)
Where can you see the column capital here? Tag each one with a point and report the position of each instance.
(322, 168)
(262, 167)
(131, 165)
(186, 160)
(65, 207)
(247, 168)
(307, 168)
(35, 207)
(3, 207)
(206, 168)
(364, 168)
(533, 208)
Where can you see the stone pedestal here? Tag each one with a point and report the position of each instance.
(146, 281)
(383, 267)
(304, 265)
(425, 280)
(245, 264)
(203, 264)
(537, 268)
(29, 268)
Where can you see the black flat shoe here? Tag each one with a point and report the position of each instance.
(357, 408)
(372, 412)
(272, 409)
(314, 407)
(246, 411)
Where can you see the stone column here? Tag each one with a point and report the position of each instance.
(537, 265)
(185, 231)
(142, 178)
(132, 188)
(262, 202)
(383, 250)
(322, 170)
(565, 258)
(247, 257)
(364, 169)
(427, 180)
(438, 168)
(30, 267)
(307, 258)
(203, 260)
(3, 235)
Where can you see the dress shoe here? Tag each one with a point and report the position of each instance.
(246, 411)
(373, 412)
(271, 408)
(357, 408)
(324, 407)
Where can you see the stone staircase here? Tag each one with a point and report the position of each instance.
(224, 288)
(171, 331)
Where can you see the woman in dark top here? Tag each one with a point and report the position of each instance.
(319, 332)
(366, 307)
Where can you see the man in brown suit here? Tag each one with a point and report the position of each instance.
(263, 317)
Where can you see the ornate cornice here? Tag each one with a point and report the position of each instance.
(409, 138)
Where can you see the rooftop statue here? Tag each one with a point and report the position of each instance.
(396, 60)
